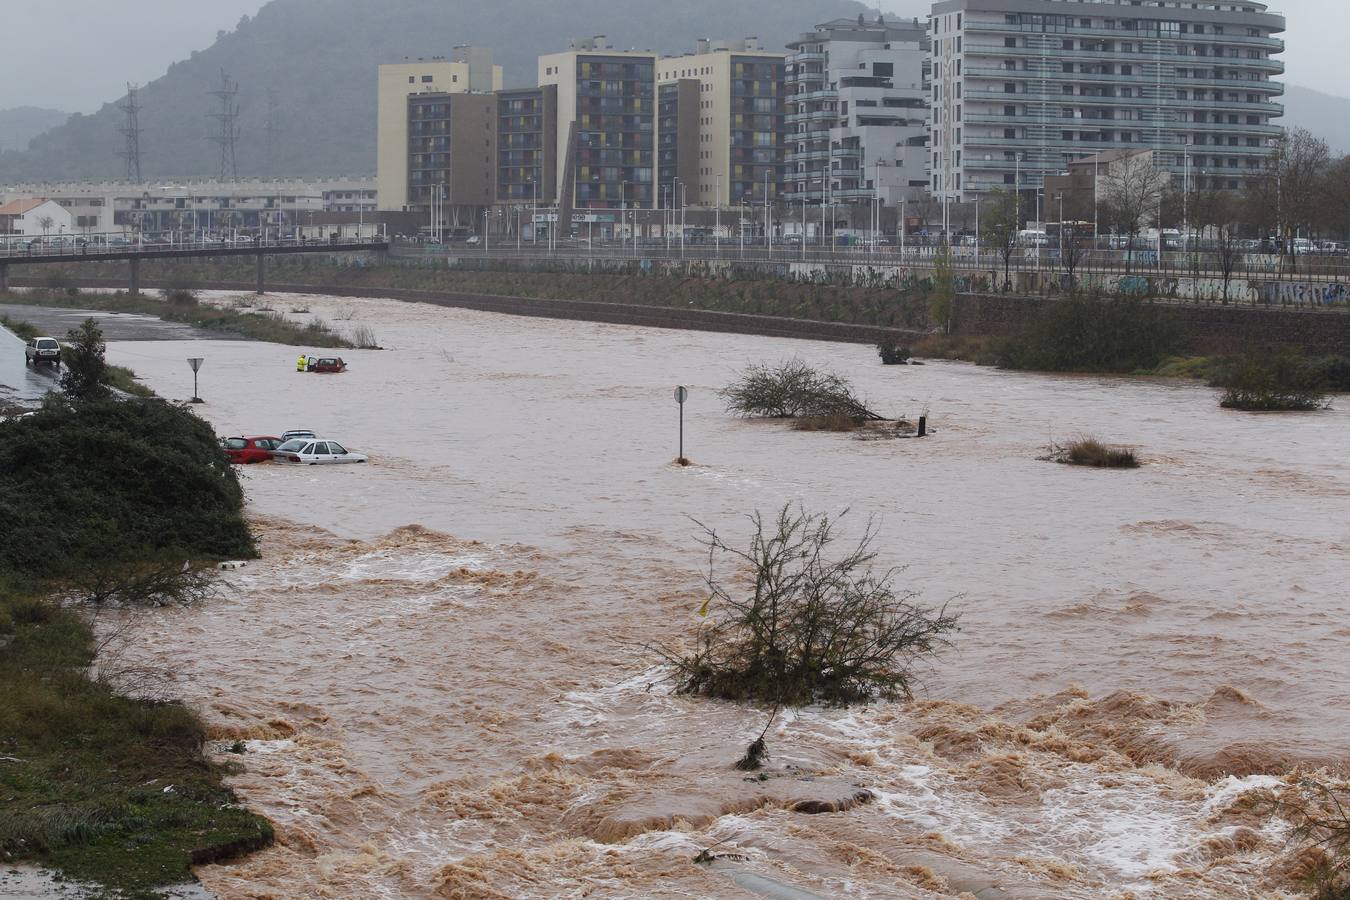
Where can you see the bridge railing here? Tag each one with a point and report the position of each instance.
(19, 247)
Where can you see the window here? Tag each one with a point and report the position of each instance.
(426, 79)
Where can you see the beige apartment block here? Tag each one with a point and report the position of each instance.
(740, 120)
(469, 70)
(606, 139)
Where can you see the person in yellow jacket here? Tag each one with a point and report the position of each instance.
(302, 363)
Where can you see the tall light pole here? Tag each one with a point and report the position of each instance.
(768, 223)
(717, 216)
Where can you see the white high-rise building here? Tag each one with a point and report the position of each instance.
(857, 112)
(1021, 88)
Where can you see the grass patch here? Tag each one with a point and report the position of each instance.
(98, 786)
(1088, 451)
(835, 421)
(983, 350)
(270, 327)
(22, 330)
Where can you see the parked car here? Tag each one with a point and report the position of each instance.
(302, 433)
(247, 450)
(42, 350)
(303, 451)
(328, 364)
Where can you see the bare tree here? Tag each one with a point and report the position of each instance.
(1299, 165)
(1133, 196)
(45, 223)
(998, 228)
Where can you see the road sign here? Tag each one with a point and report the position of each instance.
(196, 363)
(681, 394)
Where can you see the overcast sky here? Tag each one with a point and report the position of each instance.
(75, 55)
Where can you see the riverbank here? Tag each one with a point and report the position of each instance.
(437, 666)
(102, 778)
(776, 303)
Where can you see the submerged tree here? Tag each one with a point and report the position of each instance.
(799, 623)
(792, 389)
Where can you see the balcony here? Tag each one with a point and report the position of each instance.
(1269, 66)
(1024, 75)
(1272, 44)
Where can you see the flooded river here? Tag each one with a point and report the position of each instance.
(439, 669)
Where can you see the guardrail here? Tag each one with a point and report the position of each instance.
(1142, 262)
(46, 250)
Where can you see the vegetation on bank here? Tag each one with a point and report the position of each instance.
(1088, 333)
(22, 330)
(100, 786)
(181, 306)
(1278, 383)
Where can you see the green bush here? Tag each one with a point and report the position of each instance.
(1095, 334)
(893, 354)
(1280, 383)
(90, 484)
(790, 390)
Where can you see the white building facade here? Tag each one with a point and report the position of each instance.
(857, 112)
(1021, 88)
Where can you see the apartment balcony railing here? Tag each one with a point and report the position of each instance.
(1272, 44)
(1053, 121)
(1232, 84)
(1269, 66)
(1264, 107)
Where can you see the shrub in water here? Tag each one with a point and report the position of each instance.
(792, 389)
(800, 624)
(893, 354)
(1279, 383)
(1088, 451)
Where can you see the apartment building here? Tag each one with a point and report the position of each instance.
(527, 161)
(468, 69)
(1021, 88)
(606, 138)
(451, 153)
(857, 112)
(728, 98)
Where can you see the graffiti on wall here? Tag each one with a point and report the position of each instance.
(1302, 293)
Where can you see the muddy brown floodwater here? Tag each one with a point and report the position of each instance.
(438, 671)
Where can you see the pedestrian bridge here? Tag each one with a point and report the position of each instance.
(39, 251)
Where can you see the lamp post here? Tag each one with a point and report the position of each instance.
(717, 216)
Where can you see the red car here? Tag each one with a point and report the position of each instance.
(328, 364)
(245, 450)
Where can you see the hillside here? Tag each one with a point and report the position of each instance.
(319, 59)
(1325, 115)
(21, 124)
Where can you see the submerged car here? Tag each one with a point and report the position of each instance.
(301, 433)
(42, 350)
(315, 453)
(328, 364)
(247, 450)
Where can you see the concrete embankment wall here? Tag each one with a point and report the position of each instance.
(1211, 329)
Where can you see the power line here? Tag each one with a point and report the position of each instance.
(131, 131)
(227, 131)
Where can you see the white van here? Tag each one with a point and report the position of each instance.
(1031, 238)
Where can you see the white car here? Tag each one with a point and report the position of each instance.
(321, 452)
